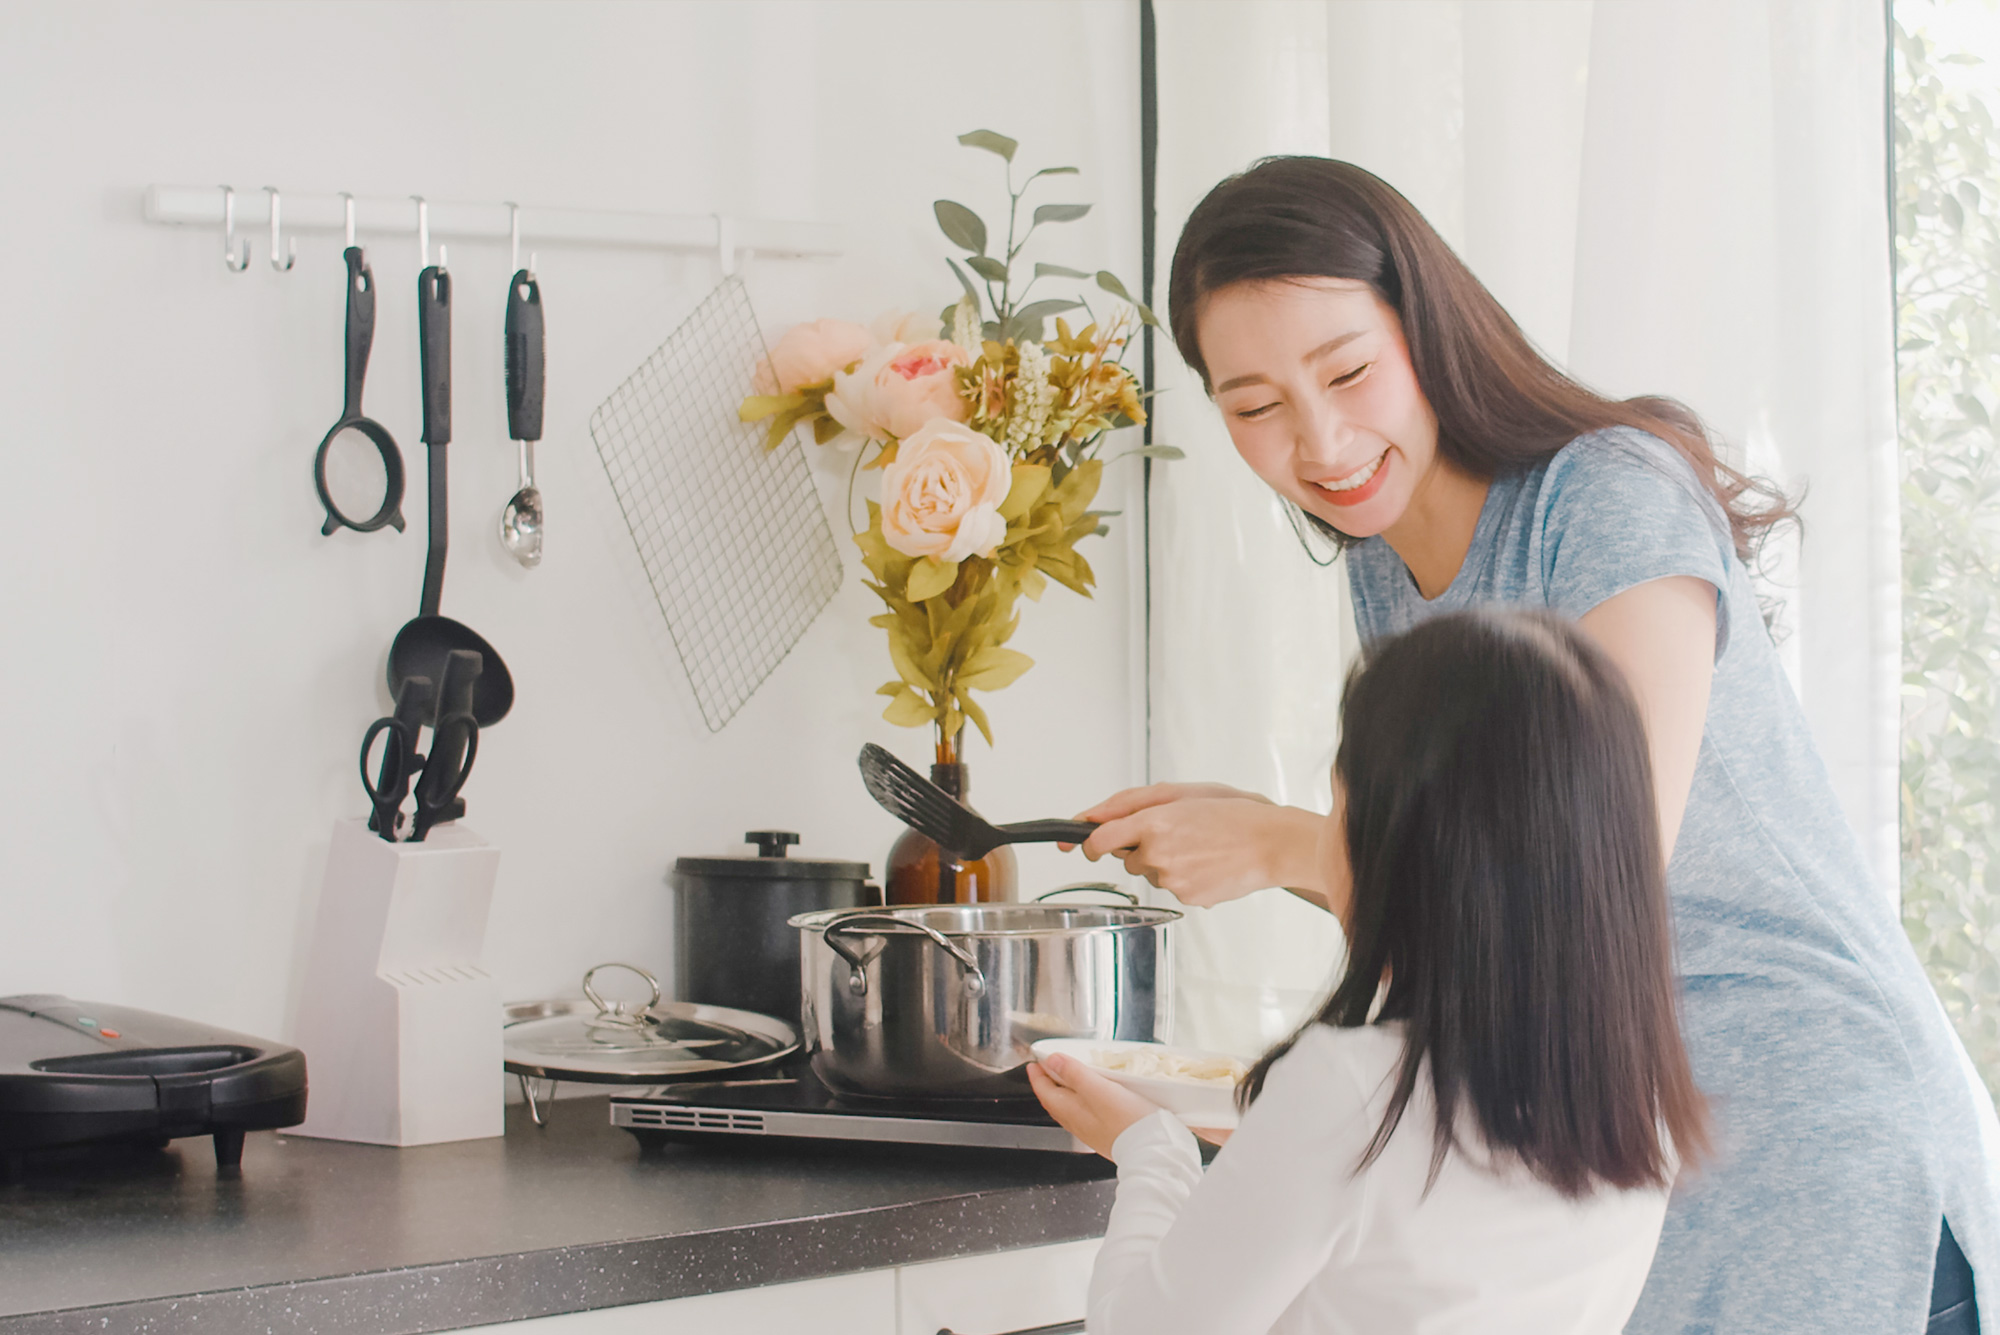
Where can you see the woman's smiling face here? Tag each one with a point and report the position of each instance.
(1314, 381)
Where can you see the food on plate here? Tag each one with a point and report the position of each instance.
(1196, 1068)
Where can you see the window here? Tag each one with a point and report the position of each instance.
(1946, 79)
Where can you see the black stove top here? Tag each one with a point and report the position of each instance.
(790, 1103)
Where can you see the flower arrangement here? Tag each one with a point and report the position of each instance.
(986, 433)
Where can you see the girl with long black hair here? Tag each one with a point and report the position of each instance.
(1369, 378)
(1478, 1131)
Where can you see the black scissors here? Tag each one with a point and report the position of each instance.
(454, 745)
(400, 760)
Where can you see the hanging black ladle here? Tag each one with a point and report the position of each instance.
(424, 644)
(360, 338)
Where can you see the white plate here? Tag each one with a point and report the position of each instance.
(1212, 1107)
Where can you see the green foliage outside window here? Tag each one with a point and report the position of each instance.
(1947, 219)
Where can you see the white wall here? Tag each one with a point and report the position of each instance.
(188, 665)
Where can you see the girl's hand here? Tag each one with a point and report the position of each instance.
(1207, 843)
(1090, 1106)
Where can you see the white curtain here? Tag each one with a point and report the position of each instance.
(1684, 197)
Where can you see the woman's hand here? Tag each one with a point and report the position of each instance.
(1090, 1106)
(1205, 843)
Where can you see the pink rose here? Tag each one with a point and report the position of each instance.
(810, 353)
(898, 388)
(941, 496)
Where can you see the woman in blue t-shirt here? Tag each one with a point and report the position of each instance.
(1374, 384)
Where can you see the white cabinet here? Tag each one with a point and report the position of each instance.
(995, 1294)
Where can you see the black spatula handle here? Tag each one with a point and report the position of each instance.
(525, 358)
(434, 350)
(1048, 831)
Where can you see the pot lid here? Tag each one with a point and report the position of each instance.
(770, 863)
(586, 1038)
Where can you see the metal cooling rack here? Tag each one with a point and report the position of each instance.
(733, 537)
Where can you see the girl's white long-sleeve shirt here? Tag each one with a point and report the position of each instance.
(1282, 1235)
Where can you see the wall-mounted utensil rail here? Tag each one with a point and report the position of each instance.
(220, 207)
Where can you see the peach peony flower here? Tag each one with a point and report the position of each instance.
(941, 496)
(810, 353)
(898, 388)
(904, 327)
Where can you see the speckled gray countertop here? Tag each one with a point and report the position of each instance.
(325, 1237)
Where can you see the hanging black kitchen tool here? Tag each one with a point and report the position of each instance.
(454, 745)
(929, 809)
(360, 337)
(422, 645)
(521, 518)
(400, 761)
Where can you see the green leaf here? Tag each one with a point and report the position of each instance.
(978, 717)
(961, 226)
(757, 407)
(993, 669)
(1027, 322)
(930, 577)
(963, 282)
(1058, 213)
(993, 143)
(1058, 271)
(908, 710)
(988, 268)
(903, 654)
(1155, 452)
(1109, 282)
(1030, 481)
(1053, 171)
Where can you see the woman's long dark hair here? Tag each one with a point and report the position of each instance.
(1500, 405)
(1510, 903)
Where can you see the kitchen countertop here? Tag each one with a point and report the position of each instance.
(326, 1236)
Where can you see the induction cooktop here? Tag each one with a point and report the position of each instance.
(790, 1103)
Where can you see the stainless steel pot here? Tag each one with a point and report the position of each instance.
(943, 1001)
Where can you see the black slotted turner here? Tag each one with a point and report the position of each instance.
(930, 810)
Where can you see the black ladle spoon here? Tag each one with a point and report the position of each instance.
(424, 644)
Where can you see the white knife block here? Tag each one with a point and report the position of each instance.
(400, 1022)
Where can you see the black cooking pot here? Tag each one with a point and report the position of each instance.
(733, 942)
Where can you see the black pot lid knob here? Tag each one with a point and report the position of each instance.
(771, 843)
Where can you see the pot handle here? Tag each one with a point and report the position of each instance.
(857, 981)
(1098, 887)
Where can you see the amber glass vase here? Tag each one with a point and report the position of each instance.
(920, 872)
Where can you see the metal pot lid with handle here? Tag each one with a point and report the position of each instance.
(617, 1042)
(771, 863)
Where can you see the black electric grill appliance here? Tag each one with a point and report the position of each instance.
(78, 1073)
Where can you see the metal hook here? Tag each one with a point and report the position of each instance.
(290, 252)
(347, 216)
(514, 240)
(237, 263)
(725, 244)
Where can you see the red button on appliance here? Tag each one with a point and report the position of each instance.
(108, 1033)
